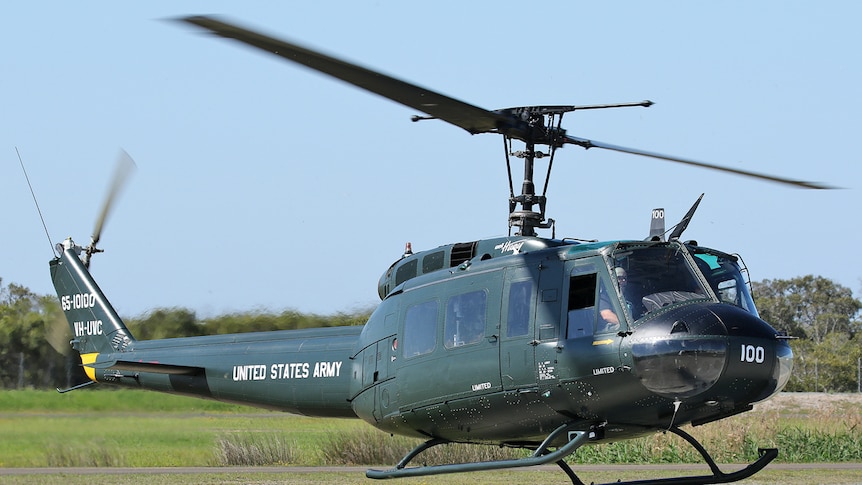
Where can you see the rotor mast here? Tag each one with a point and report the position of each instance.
(540, 127)
(526, 218)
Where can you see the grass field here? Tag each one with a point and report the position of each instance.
(138, 429)
(124, 428)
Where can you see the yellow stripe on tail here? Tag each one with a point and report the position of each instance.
(88, 359)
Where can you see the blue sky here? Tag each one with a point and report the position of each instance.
(264, 186)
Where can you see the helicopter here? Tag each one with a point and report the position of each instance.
(542, 343)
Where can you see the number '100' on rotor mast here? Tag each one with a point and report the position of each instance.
(520, 341)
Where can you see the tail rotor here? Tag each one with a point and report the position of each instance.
(122, 170)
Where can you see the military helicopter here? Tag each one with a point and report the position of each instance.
(519, 341)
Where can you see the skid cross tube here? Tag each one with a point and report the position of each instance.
(539, 457)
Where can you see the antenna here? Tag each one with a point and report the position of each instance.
(35, 202)
(683, 224)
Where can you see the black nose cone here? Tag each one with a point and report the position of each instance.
(717, 348)
(681, 352)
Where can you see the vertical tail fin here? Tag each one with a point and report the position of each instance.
(94, 322)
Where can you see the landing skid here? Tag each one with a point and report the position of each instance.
(766, 456)
(543, 455)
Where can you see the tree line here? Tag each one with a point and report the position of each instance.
(822, 316)
(825, 317)
(34, 334)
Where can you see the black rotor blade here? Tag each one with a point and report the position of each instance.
(583, 142)
(469, 117)
(122, 170)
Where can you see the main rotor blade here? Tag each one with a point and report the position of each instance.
(469, 117)
(123, 168)
(583, 142)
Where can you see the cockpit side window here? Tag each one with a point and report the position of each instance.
(582, 305)
(592, 308)
(723, 273)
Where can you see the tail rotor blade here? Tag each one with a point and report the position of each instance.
(124, 167)
(58, 333)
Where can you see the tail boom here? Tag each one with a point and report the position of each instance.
(299, 371)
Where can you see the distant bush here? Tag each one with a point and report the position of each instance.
(255, 449)
(372, 447)
(181, 322)
(62, 455)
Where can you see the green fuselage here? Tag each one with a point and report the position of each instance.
(497, 341)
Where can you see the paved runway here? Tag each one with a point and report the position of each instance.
(361, 469)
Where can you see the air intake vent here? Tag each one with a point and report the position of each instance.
(462, 252)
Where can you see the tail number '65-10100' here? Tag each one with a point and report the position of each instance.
(750, 353)
(78, 301)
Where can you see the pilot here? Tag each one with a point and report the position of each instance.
(606, 311)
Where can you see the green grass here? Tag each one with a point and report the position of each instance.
(107, 428)
(110, 400)
(139, 428)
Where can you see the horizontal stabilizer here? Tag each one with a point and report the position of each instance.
(152, 367)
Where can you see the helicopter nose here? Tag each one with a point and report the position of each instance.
(686, 351)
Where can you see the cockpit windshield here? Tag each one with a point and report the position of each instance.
(653, 276)
(725, 277)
